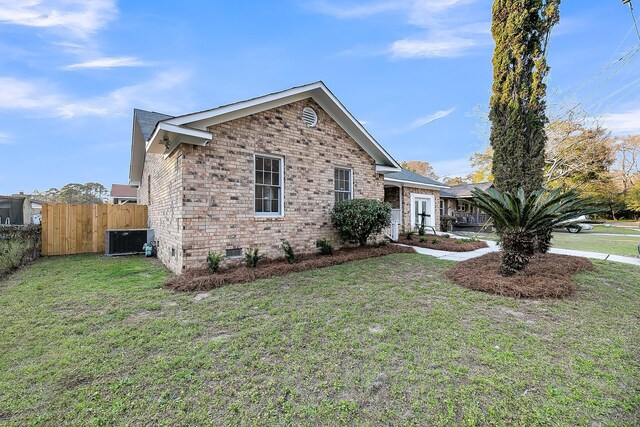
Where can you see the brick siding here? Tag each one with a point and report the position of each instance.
(202, 197)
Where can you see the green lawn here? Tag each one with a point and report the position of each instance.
(612, 230)
(585, 241)
(88, 340)
(617, 245)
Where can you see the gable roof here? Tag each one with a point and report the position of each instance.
(169, 132)
(406, 176)
(122, 190)
(147, 120)
(463, 191)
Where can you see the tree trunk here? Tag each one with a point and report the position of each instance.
(517, 248)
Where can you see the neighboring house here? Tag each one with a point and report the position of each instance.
(257, 173)
(19, 209)
(122, 194)
(412, 195)
(455, 202)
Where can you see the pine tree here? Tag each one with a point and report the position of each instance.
(521, 30)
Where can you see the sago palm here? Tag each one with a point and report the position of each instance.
(521, 218)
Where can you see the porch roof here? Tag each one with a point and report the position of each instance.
(464, 191)
(407, 177)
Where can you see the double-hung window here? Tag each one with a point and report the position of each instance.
(268, 186)
(343, 184)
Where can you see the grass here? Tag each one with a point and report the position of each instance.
(611, 230)
(617, 245)
(588, 241)
(88, 340)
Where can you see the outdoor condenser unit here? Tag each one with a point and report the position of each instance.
(125, 242)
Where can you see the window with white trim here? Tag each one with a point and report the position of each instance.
(342, 179)
(268, 185)
(442, 207)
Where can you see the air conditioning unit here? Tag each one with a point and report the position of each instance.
(127, 242)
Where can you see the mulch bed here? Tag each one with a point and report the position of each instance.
(442, 243)
(546, 276)
(204, 280)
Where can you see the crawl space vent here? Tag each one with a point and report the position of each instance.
(234, 253)
(309, 117)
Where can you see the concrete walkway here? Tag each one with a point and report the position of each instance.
(493, 247)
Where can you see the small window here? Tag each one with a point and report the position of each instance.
(441, 207)
(342, 184)
(268, 185)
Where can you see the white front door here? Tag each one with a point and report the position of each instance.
(422, 206)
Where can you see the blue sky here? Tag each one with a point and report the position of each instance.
(416, 73)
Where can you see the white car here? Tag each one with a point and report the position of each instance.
(576, 225)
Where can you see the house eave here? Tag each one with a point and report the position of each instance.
(386, 169)
(415, 184)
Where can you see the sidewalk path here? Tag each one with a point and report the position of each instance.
(493, 247)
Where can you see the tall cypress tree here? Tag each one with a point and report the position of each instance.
(521, 30)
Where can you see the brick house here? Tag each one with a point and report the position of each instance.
(257, 173)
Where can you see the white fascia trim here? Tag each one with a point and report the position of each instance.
(313, 90)
(415, 184)
(266, 99)
(182, 130)
(386, 169)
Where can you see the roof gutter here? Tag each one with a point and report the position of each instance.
(416, 184)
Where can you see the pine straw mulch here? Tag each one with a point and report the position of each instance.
(443, 243)
(205, 280)
(546, 276)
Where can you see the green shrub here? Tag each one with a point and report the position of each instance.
(446, 222)
(289, 253)
(435, 241)
(382, 243)
(421, 231)
(423, 239)
(357, 219)
(19, 245)
(325, 246)
(213, 260)
(252, 257)
(446, 236)
(410, 235)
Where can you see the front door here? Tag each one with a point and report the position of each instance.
(422, 209)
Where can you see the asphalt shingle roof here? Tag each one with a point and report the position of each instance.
(407, 175)
(464, 190)
(147, 120)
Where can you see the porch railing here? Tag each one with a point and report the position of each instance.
(392, 231)
(396, 215)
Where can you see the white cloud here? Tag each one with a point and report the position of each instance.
(80, 18)
(108, 62)
(5, 139)
(364, 122)
(622, 123)
(39, 97)
(442, 47)
(450, 30)
(430, 118)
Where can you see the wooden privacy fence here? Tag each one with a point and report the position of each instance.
(75, 229)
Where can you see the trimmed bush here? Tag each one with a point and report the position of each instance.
(357, 219)
(325, 246)
(289, 253)
(213, 260)
(446, 222)
(252, 257)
